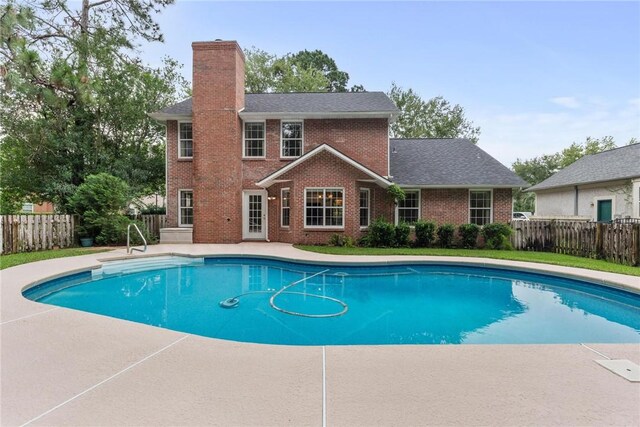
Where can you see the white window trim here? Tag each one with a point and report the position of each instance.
(180, 140)
(301, 148)
(397, 209)
(368, 190)
(490, 190)
(323, 227)
(264, 140)
(601, 198)
(180, 224)
(282, 208)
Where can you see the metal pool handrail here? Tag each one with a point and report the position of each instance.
(131, 249)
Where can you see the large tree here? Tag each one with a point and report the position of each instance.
(432, 118)
(305, 71)
(542, 167)
(75, 96)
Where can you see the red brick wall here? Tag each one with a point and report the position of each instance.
(451, 205)
(179, 173)
(323, 171)
(218, 94)
(364, 140)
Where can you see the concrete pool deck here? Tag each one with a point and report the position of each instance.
(67, 367)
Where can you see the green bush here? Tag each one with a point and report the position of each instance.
(445, 235)
(153, 210)
(99, 202)
(402, 232)
(336, 240)
(468, 235)
(425, 233)
(341, 240)
(381, 234)
(496, 236)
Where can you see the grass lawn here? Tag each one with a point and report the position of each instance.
(11, 260)
(541, 257)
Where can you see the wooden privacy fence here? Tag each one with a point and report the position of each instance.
(24, 233)
(153, 223)
(617, 242)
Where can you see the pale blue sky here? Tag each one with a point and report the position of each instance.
(535, 76)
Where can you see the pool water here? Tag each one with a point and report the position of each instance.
(385, 304)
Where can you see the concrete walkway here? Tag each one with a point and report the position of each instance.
(66, 367)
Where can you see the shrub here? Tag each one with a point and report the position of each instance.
(425, 233)
(402, 231)
(154, 210)
(496, 236)
(364, 241)
(100, 201)
(336, 240)
(445, 235)
(381, 233)
(469, 235)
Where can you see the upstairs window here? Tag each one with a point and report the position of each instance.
(185, 140)
(409, 208)
(254, 139)
(480, 207)
(291, 139)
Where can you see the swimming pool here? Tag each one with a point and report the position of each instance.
(277, 302)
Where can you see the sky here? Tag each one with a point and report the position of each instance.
(535, 76)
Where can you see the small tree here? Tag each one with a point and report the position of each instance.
(99, 202)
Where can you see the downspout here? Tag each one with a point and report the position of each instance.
(575, 201)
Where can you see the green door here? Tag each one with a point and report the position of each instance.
(604, 210)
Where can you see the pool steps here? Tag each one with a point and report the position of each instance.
(110, 268)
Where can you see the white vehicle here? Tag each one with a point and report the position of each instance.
(524, 216)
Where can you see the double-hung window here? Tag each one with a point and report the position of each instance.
(185, 140)
(480, 207)
(409, 208)
(254, 139)
(365, 206)
(324, 207)
(285, 207)
(185, 210)
(291, 138)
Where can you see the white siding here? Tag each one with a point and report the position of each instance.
(560, 202)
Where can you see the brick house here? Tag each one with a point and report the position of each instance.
(299, 167)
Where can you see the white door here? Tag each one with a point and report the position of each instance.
(254, 215)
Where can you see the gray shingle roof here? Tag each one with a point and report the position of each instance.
(447, 162)
(347, 102)
(611, 165)
(182, 108)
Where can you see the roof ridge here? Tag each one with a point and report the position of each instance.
(298, 93)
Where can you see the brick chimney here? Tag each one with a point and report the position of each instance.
(218, 95)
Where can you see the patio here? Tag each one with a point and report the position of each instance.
(66, 367)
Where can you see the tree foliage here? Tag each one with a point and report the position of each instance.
(433, 118)
(305, 71)
(76, 98)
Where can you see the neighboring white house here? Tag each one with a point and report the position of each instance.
(600, 187)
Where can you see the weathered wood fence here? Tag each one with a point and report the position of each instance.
(153, 223)
(617, 242)
(24, 233)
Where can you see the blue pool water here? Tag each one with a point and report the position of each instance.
(391, 304)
